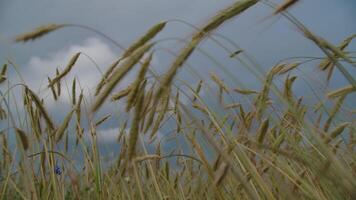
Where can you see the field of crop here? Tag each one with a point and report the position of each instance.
(251, 144)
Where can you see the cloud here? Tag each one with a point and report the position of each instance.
(108, 135)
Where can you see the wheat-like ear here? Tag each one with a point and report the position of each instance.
(3, 73)
(136, 85)
(262, 98)
(3, 114)
(52, 89)
(219, 82)
(328, 64)
(342, 91)
(134, 131)
(185, 53)
(102, 120)
(284, 6)
(334, 111)
(38, 32)
(197, 90)
(58, 84)
(221, 173)
(23, 138)
(74, 92)
(40, 107)
(245, 91)
(336, 131)
(234, 54)
(232, 105)
(121, 94)
(78, 106)
(106, 76)
(70, 65)
(152, 32)
(60, 131)
(79, 130)
(288, 94)
(288, 67)
(262, 131)
(161, 115)
(119, 74)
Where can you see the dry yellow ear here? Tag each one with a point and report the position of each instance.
(23, 138)
(3, 73)
(284, 6)
(118, 74)
(69, 66)
(341, 92)
(38, 32)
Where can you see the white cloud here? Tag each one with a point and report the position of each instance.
(108, 135)
(111, 135)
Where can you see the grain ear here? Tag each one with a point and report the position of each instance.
(284, 6)
(69, 66)
(3, 73)
(119, 74)
(213, 24)
(23, 138)
(38, 32)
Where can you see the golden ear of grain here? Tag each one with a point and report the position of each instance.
(341, 92)
(333, 112)
(284, 6)
(234, 54)
(262, 131)
(134, 131)
(38, 32)
(23, 138)
(119, 74)
(219, 82)
(121, 94)
(328, 64)
(197, 90)
(106, 76)
(262, 98)
(245, 92)
(40, 107)
(122, 131)
(103, 119)
(200, 108)
(78, 106)
(58, 85)
(214, 23)
(176, 102)
(3, 73)
(136, 85)
(161, 115)
(60, 131)
(151, 33)
(74, 92)
(287, 68)
(151, 117)
(52, 89)
(337, 131)
(3, 114)
(288, 94)
(147, 157)
(232, 105)
(69, 66)
(221, 173)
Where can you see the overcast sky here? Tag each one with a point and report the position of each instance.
(267, 39)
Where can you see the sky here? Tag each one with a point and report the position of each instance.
(267, 39)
